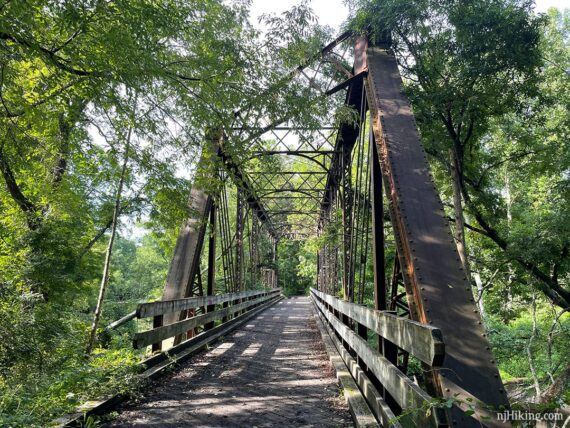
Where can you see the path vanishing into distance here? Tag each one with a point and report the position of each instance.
(274, 371)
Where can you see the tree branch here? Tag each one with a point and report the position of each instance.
(469, 226)
(547, 285)
(55, 93)
(94, 240)
(515, 156)
(14, 189)
(50, 55)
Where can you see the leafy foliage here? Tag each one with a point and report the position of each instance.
(74, 77)
(487, 79)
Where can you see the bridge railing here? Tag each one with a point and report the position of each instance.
(232, 303)
(424, 342)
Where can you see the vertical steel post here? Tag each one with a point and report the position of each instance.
(239, 245)
(275, 261)
(239, 241)
(210, 287)
(346, 204)
(380, 302)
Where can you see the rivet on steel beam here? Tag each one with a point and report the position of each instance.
(422, 288)
(501, 390)
(492, 361)
(487, 348)
(446, 389)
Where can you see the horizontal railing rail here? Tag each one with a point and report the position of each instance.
(161, 307)
(163, 332)
(422, 341)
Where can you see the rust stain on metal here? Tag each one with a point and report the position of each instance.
(435, 282)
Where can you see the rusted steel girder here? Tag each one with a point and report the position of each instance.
(239, 240)
(211, 284)
(438, 290)
(339, 174)
(242, 181)
(186, 259)
(348, 133)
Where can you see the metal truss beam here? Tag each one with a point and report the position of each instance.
(438, 291)
(348, 133)
(242, 181)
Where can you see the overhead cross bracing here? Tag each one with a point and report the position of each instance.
(288, 163)
(361, 185)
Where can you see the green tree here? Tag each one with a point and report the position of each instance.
(66, 70)
(459, 82)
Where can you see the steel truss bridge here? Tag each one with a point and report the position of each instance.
(364, 187)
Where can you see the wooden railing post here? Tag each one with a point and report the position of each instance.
(362, 331)
(157, 321)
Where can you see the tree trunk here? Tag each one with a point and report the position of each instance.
(29, 209)
(107, 264)
(509, 204)
(458, 210)
(480, 290)
(534, 334)
(66, 125)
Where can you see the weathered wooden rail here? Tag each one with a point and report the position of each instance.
(424, 342)
(232, 303)
(159, 363)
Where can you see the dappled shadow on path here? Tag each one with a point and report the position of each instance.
(270, 372)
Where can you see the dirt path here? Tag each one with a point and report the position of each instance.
(273, 371)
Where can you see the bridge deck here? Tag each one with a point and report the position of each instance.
(271, 372)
